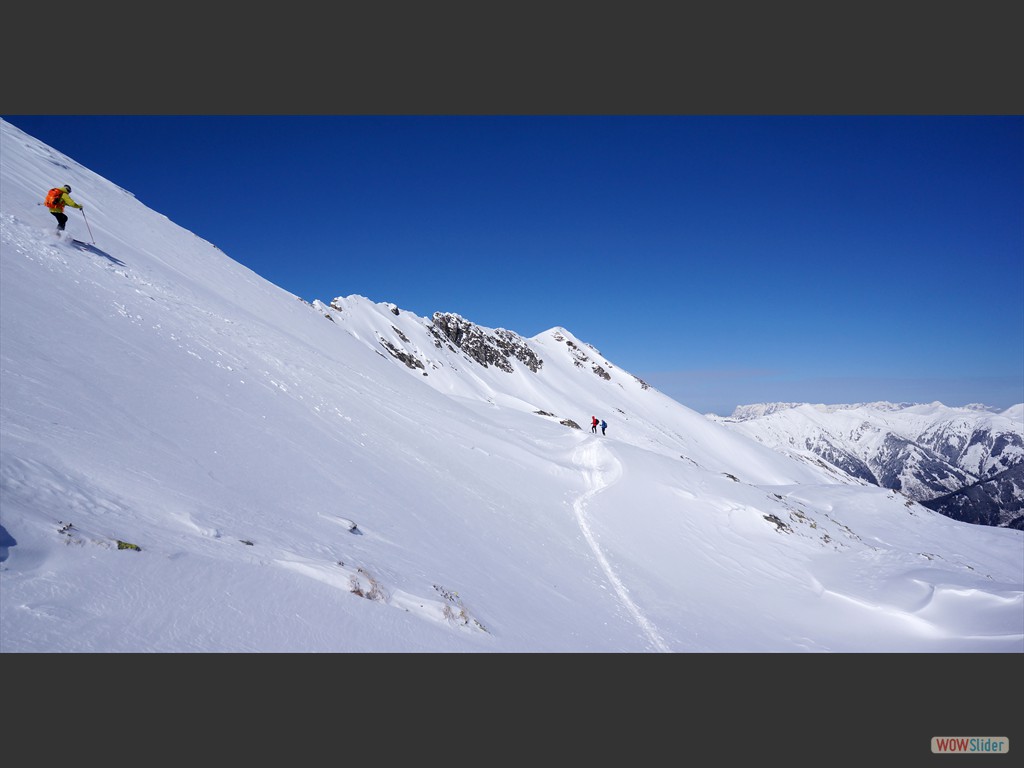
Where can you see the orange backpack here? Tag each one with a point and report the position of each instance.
(53, 197)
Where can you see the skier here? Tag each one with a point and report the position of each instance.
(604, 426)
(593, 424)
(56, 199)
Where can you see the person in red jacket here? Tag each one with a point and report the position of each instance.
(593, 424)
(56, 199)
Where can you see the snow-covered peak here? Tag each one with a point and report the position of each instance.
(193, 459)
(926, 451)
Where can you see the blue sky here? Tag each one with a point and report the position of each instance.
(725, 260)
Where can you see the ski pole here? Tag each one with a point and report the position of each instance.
(87, 226)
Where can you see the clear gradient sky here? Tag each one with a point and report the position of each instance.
(725, 260)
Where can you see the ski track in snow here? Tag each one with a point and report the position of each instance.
(592, 457)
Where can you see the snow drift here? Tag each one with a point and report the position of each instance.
(195, 460)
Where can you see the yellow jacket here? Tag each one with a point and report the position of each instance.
(64, 199)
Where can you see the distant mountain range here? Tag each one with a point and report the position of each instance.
(964, 462)
(194, 460)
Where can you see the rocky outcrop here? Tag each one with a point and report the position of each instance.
(499, 349)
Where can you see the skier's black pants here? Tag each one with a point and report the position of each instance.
(62, 218)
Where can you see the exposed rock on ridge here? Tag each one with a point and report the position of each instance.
(496, 350)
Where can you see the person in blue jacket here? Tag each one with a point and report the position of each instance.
(604, 426)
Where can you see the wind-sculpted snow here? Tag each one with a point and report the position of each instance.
(195, 460)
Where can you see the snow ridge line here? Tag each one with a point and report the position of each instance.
(591, 456)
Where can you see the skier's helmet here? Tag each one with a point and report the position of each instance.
(67, 187)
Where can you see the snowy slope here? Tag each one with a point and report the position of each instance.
(343, 476)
